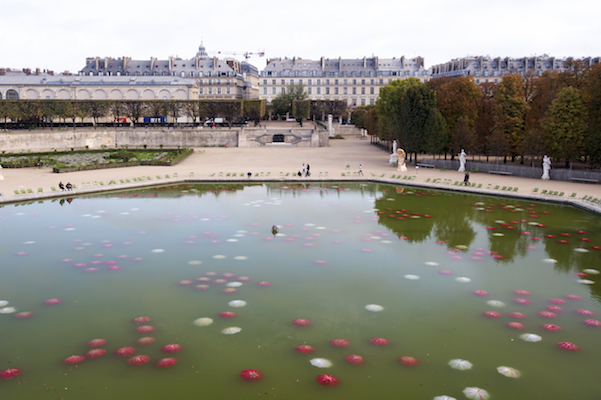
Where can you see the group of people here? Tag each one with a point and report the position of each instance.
(68, 186)
(305, 171)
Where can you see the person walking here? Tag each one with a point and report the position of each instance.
(466, 179)
(360, 170)
(307, 174)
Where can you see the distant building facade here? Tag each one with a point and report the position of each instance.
(487, 69)
(356, 81)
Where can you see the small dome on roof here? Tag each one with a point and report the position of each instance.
(202, 52)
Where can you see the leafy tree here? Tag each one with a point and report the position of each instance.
(418, 102)
(173, 108)
(435, 133)
(485, 122)
(593, 96)
(389, 107)
(82, 110)
(463, 136)
(156, 109)
(9, 109)
(134, 109)
(29, 111)
(115, 109)
(371, 122)
(253, 109)
(510, 110)
(282, 104)
(565, 127)
(358, 116)
(98, 109)
(534, 145)
(456, 98)
(301, 110)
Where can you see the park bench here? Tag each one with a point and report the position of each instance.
(426, 165)
(500, 172)
(584, 180)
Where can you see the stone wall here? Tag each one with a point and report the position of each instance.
(31, 141)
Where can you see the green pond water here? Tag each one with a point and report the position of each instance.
(340, 247)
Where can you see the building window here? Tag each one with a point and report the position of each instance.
(228, 90)
(327, 90)
(273, 91)
(362, 90)
(371, 81)
(264, 81)
(308, 90)
(264, 90)
(335, 90)
(319, 81)
(363, 81)
(354, 90)
(371, 90)
(362, 102)
(309, 82)
(345, 91)
(345, 81)
(292, 81)
(372, 102)
(318, 90)
(335, 81)
(218, 90)
(201, 91)
(210, 90)
(381, 81)
(327, 81)
(283, 82)
(354, 81)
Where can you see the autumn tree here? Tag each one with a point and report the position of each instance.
(463, 136)
(485, 122)
(593, 97)
(358, 116)
(134, 110)
(419, 101)
(436, 138)
(282, 104)
(510, 111)
(565, 126)
(456, 98)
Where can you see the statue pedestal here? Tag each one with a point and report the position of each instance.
(402, 168)
(393, 159)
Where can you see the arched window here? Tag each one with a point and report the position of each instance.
(12, 95)
(0, 95)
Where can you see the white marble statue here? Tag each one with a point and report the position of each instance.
(546, 168)
(401, 157)
(462, 156)
(394, 158)
(1, 176)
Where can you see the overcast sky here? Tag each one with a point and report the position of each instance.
(58, 35)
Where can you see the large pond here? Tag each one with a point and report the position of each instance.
(414, 281)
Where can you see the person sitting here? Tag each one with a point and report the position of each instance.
(61, 186)
(69, 186)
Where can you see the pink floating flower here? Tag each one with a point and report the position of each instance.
(73, 359)
(96, 342)
(10, 373)
(445, 272)
(572, 297)
(592, 322)
(51, 302)
(201, 287)
(378, 341)
(491, 314)
(124, 351)
(304, 348)
(145, 341)
(110, 262)
(354, 359)
(551, 327)
(408, 360)
(568, 346)
(219, 281)
(227, 314)
(138, 360)
(301, 322)
(24, 315)
(91, 269)
(166, 362)
(229, 290)
(516, 325)
(521, 301)
(327, 380)
(244, 278)
(114, 268)
(520, 292)
(145, 329)
(228, 275)
(94, 353)
(80, 265)
(320, 262)
(251, 375)
(555, 309)
(171, 348)
(556, 301)
(141, 320)
(546, 314)
(340, 343)
(263, 283)
(185, 282)
(586, 313)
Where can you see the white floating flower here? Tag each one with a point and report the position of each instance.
(444, 397)
(231, 240)
(550, 261)
(374, 307)
(157, 251)
(531, 337)
(497, 234)
(219, 256)
(29, 242)
(461, 247)
(509, 372)
(586, 281)
(431, 263)
(495, 303)
(3, 303)
(591, 271)
(124, 213)
(412, 277)
(237, 303)
(241, 231)
(69, 229)
(234, 284)
(460, 364)
(195, 262)
(232, 330)
(7, 310)
(386, 242)
(321, 363)
(463, 279)
(240, 258)
(499, 221)
(238, 235)
(309, 224)
(203, 321)
(581, 250)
